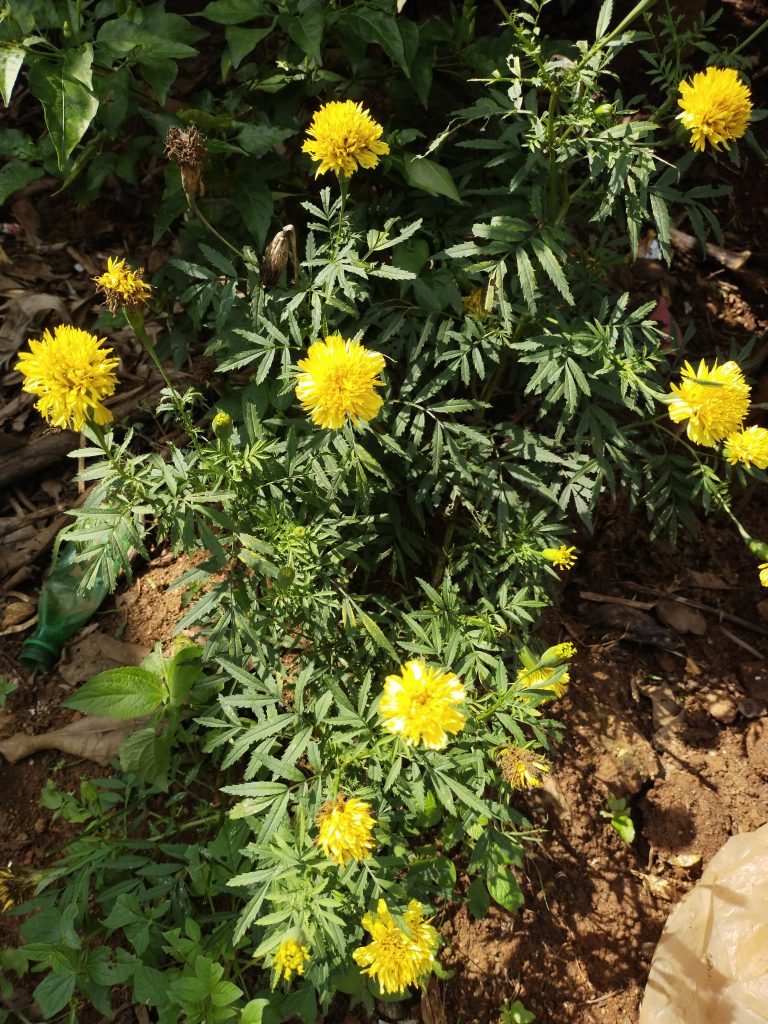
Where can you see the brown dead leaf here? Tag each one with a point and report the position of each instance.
(707, 580)
(96, 652)
(661, 888)
(18, 316)
(432, 1011)
(681, 617)
(94, 738)
(16, 612)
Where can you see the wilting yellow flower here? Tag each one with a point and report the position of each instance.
(540, 679)
(522, 768)
(289, 959)
(714, 401)
(123, 287)
(750, 447)
(562, 557)
(346, 828)
(337, 380)
(342, 135)
(419, 704)
(8, 887)
(394, 959)
(70, 373)
(474, 303)
(716, 107)
(763, 574)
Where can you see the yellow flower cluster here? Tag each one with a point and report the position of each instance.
(562, 557)
(396, 959)
(123, 287)
(716, 107)
(346, 828)
(337, 380)
(749, 447)
(71, 374)
(714, 401)
(290, 959)
(342, 136)
(420, 705)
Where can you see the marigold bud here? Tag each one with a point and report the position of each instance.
(222, 425)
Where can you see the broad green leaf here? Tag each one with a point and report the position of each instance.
(380, 27)
(307, 31)
(53, 993)
(148, 756)
(15, 175)
(478, 899)
(505, 891)
(11, 59)
(258, 139)
(527, 278)
(66, 94)
(430, 177)
(254, 201)
(234, 12)
(119, 693)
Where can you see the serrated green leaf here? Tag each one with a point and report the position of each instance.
(119, 693)
(527, 278)
(551, 267)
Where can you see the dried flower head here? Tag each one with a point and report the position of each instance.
(290, 959)
(716, 107)
(14, 887)
(562, 557)
(420, 705)
(123, 287)
(714, 401)
(540, 679)
(474, 304)
(338, 379)
(346, 827)
(186, 147)
(276, 257)
(342, 136)
(396, 959)
(749, 447)
(71, 374)
(522, 768)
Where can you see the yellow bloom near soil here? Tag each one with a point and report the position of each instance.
(394, 959)
(122, 286)
(289, 959)
(540, 679)
(522, 768)
(71, 374)
(338, 379)
(420, 705)
(714, 401)
(346, 828)
(342, 136)
(749, 447)
(562, 557)
(716, 107)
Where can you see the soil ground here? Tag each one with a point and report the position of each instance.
(668, 704)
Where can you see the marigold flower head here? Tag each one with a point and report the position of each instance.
(338, 379)
(123, 287)
(562, 557)
(716, 107)
(290, 959)
(346, 828)
(749, 447)
(763, 569)
(522, 768)
(419, 704)
(8, 890)
(540, 678)
(71, 374)
(342, 135)
(394, 958)
(714, 401)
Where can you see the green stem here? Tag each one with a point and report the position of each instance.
(203, 220)
(623, 25)
(758, 31)
(505, 13)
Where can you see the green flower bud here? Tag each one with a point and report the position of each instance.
(222, 425)
(604, 109)
(286, 576)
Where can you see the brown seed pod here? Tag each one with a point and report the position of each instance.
(186, 147)
(276, 257)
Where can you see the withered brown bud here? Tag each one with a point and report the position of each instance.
(186, 147)
(276, 257)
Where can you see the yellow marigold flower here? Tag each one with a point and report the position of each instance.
(566, 651)
(123, 287)
(342, 135)
(523, 768)
(562, 557)
(714, 401)
(290, 959)
(419, 705)
(394, 959)
(337, 380)
(345, 830)
(540, 679)
(750, 447)
(8, 889)
(763, 574)
(70, 373)
(716, 107)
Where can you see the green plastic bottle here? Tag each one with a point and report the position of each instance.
(61, 611)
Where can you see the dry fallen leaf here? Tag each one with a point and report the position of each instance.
(97, 652)
(94, 738)
(684, 860)
(681, 617)
(662, 888)
(16, 612)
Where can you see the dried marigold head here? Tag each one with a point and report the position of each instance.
(186, 147)
(276, 257)
(122, 286)
(522, 768)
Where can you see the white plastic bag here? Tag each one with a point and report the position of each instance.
(711, 963)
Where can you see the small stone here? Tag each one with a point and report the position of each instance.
(754, 677)
(751, 708)
(722, 710)
(40, 826)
